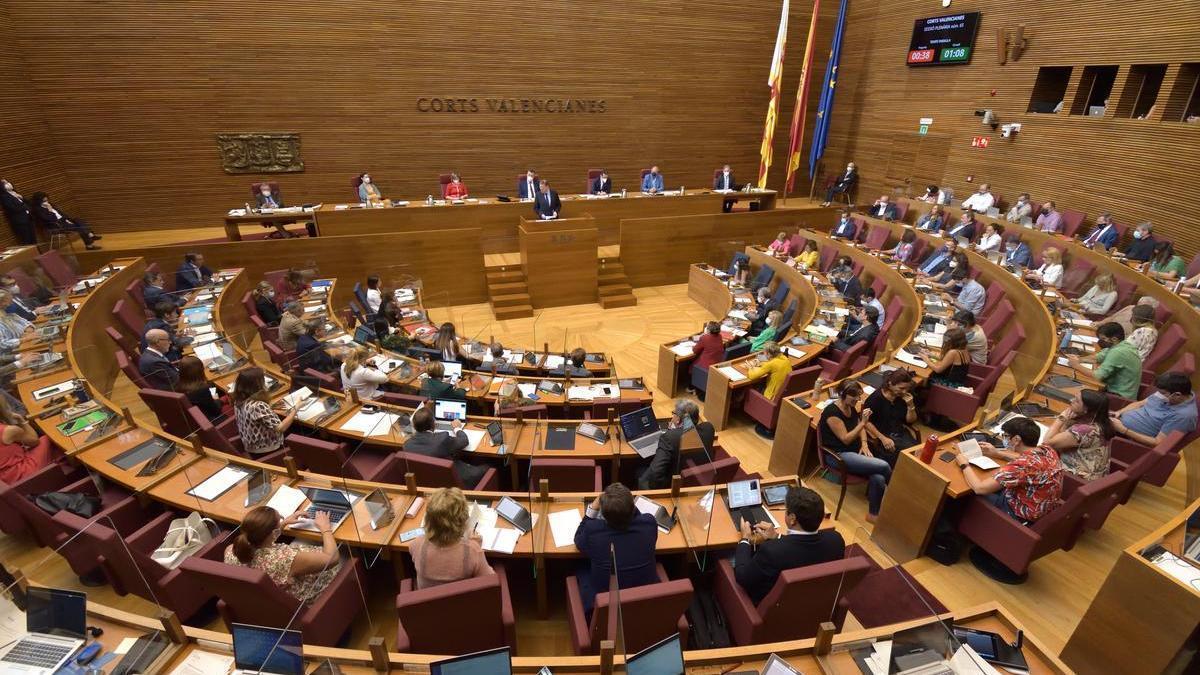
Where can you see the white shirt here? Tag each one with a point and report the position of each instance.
(364, 380)
(374, 299)
(980, 202)
(1051, 275)
(879, 306)
(990, 242)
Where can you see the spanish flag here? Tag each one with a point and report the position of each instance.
(774, 81)
(798, 113)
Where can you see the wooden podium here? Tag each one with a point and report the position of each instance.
(559, 259)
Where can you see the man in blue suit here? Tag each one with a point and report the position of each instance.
(1105, 233)
(724, 180)
(1017, 253)
(192, 273)
(939, 260)
(845, 227)
(547, 205)
(602, 185)
(965, 227)
(15, 306)
(153, 291)
(653, 181)
(527, 186)
(612, 528)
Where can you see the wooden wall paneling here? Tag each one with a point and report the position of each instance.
(91, 350)
(449, 262)
(683, 86)
(1137, 169)
(559, 261)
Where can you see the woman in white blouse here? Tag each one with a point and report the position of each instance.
(992, 239)
(374, 297)
(1100, 297)
(1050, 274)
(362, 376)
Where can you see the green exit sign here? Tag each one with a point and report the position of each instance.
(951, 54)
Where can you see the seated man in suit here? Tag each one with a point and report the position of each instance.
(1142, 246)
(764, 304)
(16, 305)
(166, 317)
(52, 219)
(845, 227)
(764, 552)
(883, 208)
(547, 205)
(965, 227)
(653, 181)
(16, 209)
(527, 185)
(724, 180)
(939, 260)
(613, 528)
(982, 200)
(154, 291)
(574, 365)
(498, 364)
(443, 445)
(155, 367)
(666, 461)
(310, 353)
(270, 199)
(192, 273)
(861, 326)
(603, 184)
(842, 277)
(1017, 253)
(1105, 234)
(843, 184)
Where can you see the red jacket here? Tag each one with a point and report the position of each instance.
(456, 190)
(708, 349)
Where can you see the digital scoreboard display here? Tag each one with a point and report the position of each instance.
(943, 40)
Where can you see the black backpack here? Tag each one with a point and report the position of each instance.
(708, 626)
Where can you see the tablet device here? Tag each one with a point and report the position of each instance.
(775, 494)
(744, 493)
(512, 511)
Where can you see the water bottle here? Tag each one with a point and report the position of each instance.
(680, 190)
(429, 200)
(931, 444)
(622, 193)
(248, 208)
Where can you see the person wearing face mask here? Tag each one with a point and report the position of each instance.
(904, 248)
(1049, 219)
(953, 276)
(1080, 435)
(842, 431)
(54, 220)
(166, 317)
(992, 239)
(1119, 368)
(1017, 253)
(268, 198)
(1050, 274)
(367, 191)
(938, 261)
(13, 304)
(725, 180)
(154, 291)
(971, 294)
(527, 185)
(1030, 485)
(666, 461)
(843, 185)
(1166, 266)
(192, 273)
(264, 302)
(20, 218)
(602, 185)
(1105, 234)
(846, 227)
(1021, 212)
(933, 195)
(1142, 246)
(846, 282)
(1171, 408)
(893, 414)
(652, 182)
(981, 201)
(455, 189)
(547, 205)
(965, 227)
(861, 326)
(883, 208)
(932, 221)
(977, 342)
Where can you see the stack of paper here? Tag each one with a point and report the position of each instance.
(793, 352)
(200, 662)
(1082, 323)
(554, 361)
(578, 393)
(929, 339)
(912, 360)
(563, 525)
(474, 438)
(971, 450)
(370, 424)
(1084, 339)
(286, 500)
(732, 373)
(206, 352)
(500, 540)
(384, 364)
(825, 331)
(340, 340)
(739, 314)
(297, 396)
(683, 348)
(310, 409)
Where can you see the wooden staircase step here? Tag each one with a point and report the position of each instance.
(611, 277)
(513, 312)
(624, 300)
(612, 267)
(505, 275)
(616, 289)
(510, 300)
(507, 287)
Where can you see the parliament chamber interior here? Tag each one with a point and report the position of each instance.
(855, 336)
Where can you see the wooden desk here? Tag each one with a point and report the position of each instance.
(714, 295)
(233, 223)
(559, 260)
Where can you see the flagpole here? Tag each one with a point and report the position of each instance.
(775, 82)
(800, 111)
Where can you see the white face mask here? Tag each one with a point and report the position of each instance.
(266, 193)
(366, 179)
(953, 264)
(1137, 234)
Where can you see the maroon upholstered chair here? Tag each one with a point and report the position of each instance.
(129, 316)
(123, 542)
(248, 303)
(480, 607)
(265, 332)
(17, 496)
(1007, 344)
(247, 595)
(1169, 343)
(649, 613)
(877, 237)
(901, 210)
(1125, 290)
(1076, 276)
(170, 408)
(123, 341)
(828, 255)
(1000, 316)
(600, 407)
(918, 251)
(404, 400)
(1193, 267)
(838, 368)
(720, 471)
(566, 475)
(1125, 453)
(431, 472)
(331, 459)
(993, 295)
(327, 381)
(592, 175)
(443, 181)
(1072, 220)
(1119, 490)
(831, 462)
(802, 598)
(1015, 545)
(226, 441)
(131, 371)
(284, 359)
(961, 406)
(796, 244)
(527, 412)
(274, 277)
(134, 290)
(764, 410)
(25, 283)
(57, 268)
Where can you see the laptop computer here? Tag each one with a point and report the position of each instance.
(224, 359)
(1064, 345)
(662, 658)
(453, 370)
(745, 502)
(269, 651)
(55, 626)
(258, 487)
(491, 662)
(512, 511)
(641, 431)
(333, 502)
(445, 411)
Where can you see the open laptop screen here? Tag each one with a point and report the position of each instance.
(638, 423)
(664, 658)
(56, 612)
(444, 409)
(270, 650)
(491, 662)
(453, 370)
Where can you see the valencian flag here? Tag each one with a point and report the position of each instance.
(801, 102)
(775, 82)
(825, 109)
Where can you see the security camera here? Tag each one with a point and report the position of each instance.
(990, 119)
(1009, 130)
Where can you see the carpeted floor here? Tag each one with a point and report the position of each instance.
(891, 595)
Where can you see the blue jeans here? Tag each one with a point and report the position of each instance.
(999, 501)
(875, 470)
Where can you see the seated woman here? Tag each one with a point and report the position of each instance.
(435, 386)
(446, 342)
(1145, 333)
(933, 221)
(22, 451)
(904, 249)
(264, 302)
(300, 570)
(933, 195)
(781, 246)
(194, 385)
(54, 220)
(310, 353)
(361, 376)
(260, 428)
(367, 192)
(1080, 435)
(1100, 297)
(810, 256)
(389, 309)
(769, 333)
(951, 368)
(1030, 485)
(445, 553)
(1165, 265)
(292, 286)
(456, 189)
(841, 431)
(955, 273)
(1050, 274)
(893, 412)
(992, 239)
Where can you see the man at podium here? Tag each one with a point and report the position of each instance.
(547, 203)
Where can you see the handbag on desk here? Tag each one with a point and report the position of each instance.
(184, 537)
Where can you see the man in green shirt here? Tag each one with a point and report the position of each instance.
(1118, 365)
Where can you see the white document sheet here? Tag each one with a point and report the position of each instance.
(219, 482)
(563, 525)
(286, 500)
(904, 357)
(732, 373)
(683, 348)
